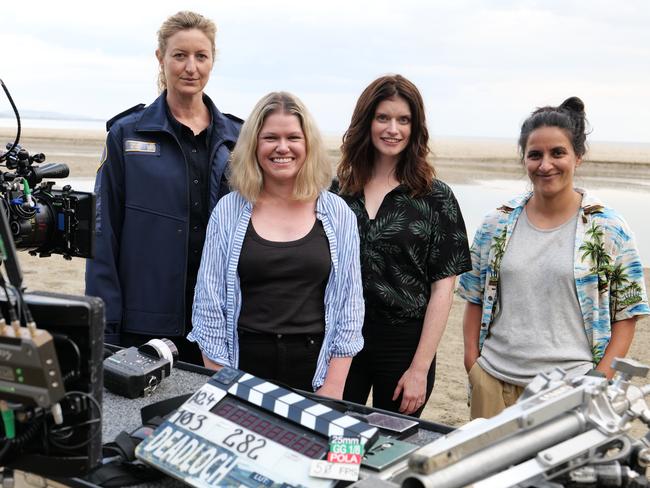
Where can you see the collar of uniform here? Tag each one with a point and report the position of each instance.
(154, 118)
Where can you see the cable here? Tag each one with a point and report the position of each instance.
(8, 420)
(19, 303)
(92, 422)
(13, 318)
(76, 372)
(23, 438)
(13, 106)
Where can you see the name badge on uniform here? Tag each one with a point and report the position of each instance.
(131, 145)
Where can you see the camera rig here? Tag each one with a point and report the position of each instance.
(42, 219)
(50, 375)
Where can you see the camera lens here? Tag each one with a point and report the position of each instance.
(162, 348)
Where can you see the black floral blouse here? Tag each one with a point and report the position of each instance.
(410, 243)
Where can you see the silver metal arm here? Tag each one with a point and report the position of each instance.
(560, 429)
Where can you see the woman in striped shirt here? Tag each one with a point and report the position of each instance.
(279, 289)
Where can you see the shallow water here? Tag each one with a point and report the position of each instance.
(479, 197)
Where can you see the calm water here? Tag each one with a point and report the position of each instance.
(54, 124)
(633, 203)
(478, 198)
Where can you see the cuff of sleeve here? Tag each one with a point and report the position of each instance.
(349, 350)
(469, 297)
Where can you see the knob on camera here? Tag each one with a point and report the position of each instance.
(137, 371)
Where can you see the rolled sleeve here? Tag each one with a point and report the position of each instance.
(628, 296)
(472, 283)
(348, 340)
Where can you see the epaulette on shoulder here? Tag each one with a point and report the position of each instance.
(128, 111)
(234, 118)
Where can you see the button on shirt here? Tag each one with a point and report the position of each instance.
(195, 150)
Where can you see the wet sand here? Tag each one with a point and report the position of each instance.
(458, 160)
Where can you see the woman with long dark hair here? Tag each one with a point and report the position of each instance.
(413, 244)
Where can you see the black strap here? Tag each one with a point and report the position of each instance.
(162, 408)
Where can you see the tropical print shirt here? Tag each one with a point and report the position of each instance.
(607, 269)
(411, 242)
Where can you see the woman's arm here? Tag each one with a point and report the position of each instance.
(471, 332)
(102, 275)
(208, 363)
(619, 344)
(413, 383)
(337, 373)
(209, 310)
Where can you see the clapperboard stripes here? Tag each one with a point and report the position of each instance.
(287, 404)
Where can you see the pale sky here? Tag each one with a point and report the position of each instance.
(482, 66)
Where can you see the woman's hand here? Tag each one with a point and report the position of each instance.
(337, 373)
(471, 332)
(469, 360)
(331, 391)
(413, 388)
(619, 345)
(211, 364)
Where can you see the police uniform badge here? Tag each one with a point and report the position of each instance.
(135, 146)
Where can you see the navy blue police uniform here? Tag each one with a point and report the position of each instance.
(143, 200)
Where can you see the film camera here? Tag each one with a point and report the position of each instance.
(51, 374)
(42, 219)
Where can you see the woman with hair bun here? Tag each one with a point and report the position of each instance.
(556, 279)
(413, 245)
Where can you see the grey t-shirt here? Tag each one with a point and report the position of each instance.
(539, 325)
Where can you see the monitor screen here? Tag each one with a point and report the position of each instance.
(77, 326)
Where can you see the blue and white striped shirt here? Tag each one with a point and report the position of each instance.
(217, 299)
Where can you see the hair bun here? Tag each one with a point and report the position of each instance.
(574, 104)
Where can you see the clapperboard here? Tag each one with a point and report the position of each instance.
(240, 430)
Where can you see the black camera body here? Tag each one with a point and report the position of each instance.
(42, 219)
(137, 371)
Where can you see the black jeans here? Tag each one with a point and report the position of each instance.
(387, 354)
(288, 359)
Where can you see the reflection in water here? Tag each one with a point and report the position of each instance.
(478, 198)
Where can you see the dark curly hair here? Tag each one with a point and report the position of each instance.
(358, 153)
(568, 116)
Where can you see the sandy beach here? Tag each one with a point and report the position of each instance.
(457, 160)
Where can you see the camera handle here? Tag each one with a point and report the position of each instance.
(7, 246)
(8, 252)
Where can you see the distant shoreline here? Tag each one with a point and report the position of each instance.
(454, 157)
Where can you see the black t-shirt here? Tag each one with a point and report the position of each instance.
(283, 283)
(410, 243)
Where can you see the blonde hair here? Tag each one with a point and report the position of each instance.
(245, 174)
(183, 20)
